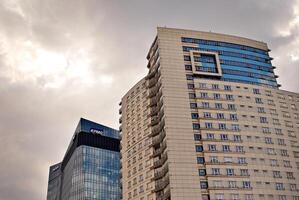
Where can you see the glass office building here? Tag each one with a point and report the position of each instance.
(90, 168)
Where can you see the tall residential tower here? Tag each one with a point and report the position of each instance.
(209, 122)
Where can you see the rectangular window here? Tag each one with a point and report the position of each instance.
(203, 184)
(256, 91)
(208, 125)
(220, 115)
(192, 96)
(261, 109)
(226, 148)
(228, 159)
(222, 126)
(246, 184)
(215, 87)
(207, 115)
(196, 126)
(217, 96)
(202, 85)
(200, 160)
(237, 138)
(190, 86)
(279, 186)
(230, 172)
(231, 106)
(258, 100)
(263, 120)
(227, 87)
(193, 105)
(215, 171)
(224, 136)
(212, 147)
(214, 159)
(233, 117)
(205, 104)
(199, 148)
(229, 97)
(239, 149)
(194, 115)
(218, 105)
(210, 136)
(232, 184)
(202, 172)
(204, 95)
(197, 137)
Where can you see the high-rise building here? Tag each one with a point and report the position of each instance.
(90, 167)
(209, 122)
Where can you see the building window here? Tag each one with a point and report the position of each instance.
(207, 115)
(200, 160)
(192, 96)
(194, 115)
(197, 137)
(226, 148)
(208, 125)
(235, 127)
(217, 96)
(237, 138)
(233, 117)
(232, 184)
(202, 172)
(199, 148)
(188, 67)
(214, 159)
(261, 109)
(220, 115)
(239, 149)
(202, 85)
(215, 87)
(231, 106)
(222, 126)
(229, 97)
(218, 105)
(258, 100)
(196, 126)
(204, 95)
(210, 136)
(242, 160)
(256, 91)
(212, 147)
(227, 87)
(246, 184)
(203, 184)
(219, 196)
(268, 140)
(248, 197)
(279, 186)
(215, 171)
(193, 105)
(230, 172)
(244, 172)
(263, 120)
(205, 104)
(224, 136)
(190, 86)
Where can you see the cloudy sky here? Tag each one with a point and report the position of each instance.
(65, 59)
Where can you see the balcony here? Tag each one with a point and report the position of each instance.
(160, 162)
(161, 184)
(159, 151)
(158, 139)
(165, 195)
(161, 172)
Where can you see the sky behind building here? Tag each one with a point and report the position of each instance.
(65, 59)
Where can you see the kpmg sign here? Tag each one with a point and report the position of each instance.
(96, 131)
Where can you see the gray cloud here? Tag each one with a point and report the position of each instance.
(112, 38)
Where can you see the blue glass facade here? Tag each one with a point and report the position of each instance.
(90, 167)
(95, 174)
(239, 63)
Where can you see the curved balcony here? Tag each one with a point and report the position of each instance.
(160, 173)
(158, 139)
(160, 162)
(159, 151)
(165, 195)
(161, 184)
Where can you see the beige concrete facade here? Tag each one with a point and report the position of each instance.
(248, 133)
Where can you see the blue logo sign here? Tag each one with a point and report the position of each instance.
(96, 131)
